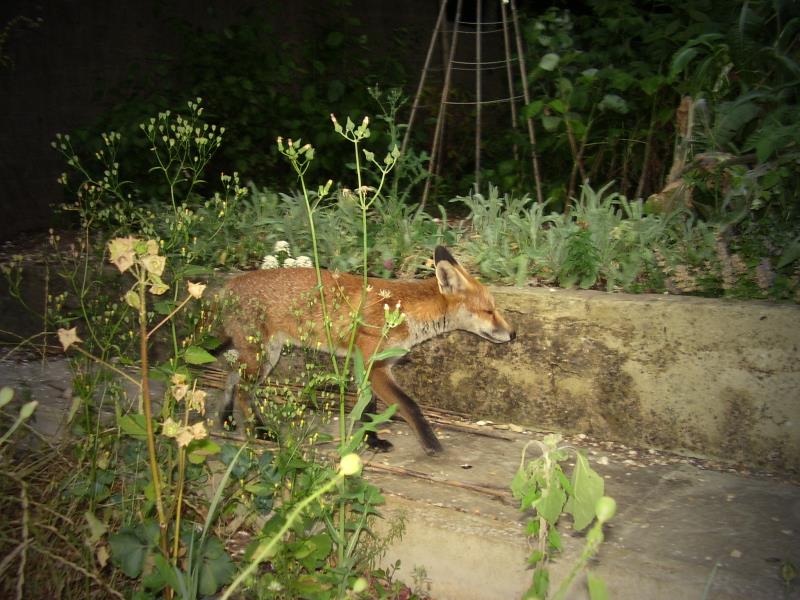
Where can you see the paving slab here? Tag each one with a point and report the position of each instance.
(686, 527)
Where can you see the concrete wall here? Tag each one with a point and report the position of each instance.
(713, 377)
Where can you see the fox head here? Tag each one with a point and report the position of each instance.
(471, 306)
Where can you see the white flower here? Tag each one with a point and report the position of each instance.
(269, 262)
(304, 262)
(282, 246)
(231, 355)
(289, 263)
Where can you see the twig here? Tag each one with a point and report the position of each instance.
(502, 496)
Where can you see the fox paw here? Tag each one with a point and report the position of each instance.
(377, 444)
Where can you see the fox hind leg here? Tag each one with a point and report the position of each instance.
(248, 356)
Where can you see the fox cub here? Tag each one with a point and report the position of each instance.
(266, 304)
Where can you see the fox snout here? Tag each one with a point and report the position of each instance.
(499, 335)
(499, 332)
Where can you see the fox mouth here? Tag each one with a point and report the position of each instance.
(498, 337)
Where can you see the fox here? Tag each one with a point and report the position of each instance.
(266, 303)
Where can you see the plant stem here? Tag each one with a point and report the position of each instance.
(148, 417)
(179, 500)
(265, 550)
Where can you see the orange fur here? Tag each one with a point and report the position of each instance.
(283, 306)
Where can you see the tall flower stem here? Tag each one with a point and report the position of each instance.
(148, 416)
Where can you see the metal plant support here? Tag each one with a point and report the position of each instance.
(449, 45)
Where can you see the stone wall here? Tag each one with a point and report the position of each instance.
(712, 377)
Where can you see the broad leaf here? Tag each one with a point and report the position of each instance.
(597, 587)
(549, 61)
(216, 567)
(133, 425)
(128, 551)
(587, 487)
(551, 503)
(195, 355)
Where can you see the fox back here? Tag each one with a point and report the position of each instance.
(282, 306)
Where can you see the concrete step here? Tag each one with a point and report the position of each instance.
(686, 527)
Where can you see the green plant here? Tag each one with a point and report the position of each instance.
(541, 485)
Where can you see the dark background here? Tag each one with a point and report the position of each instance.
(77, 64)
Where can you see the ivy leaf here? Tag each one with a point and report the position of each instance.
(587, 487)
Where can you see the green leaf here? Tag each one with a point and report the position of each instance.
(535, 557)
(216, 567)
(198, 450)
(389, 353)
(613, 103)
(680, 61)
(163, 307)
(128, 551)
(97, 528)
(532, 109)
(359, 370)
(790, 254)
(549, 61)
(558, 105)
(551, 503)
(587, 488)
(6, 394)
(195, 355)
(554, 538)
(133, 425)
(550, 123)
(165, 574)
(596, 586)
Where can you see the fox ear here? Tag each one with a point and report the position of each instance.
(449, 274)
(441, 253)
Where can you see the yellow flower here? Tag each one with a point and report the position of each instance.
(170, 428)
(197, 401)
(350, 464)
(195, 289)
(122, 252)
(67, 337)
(154, 264)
